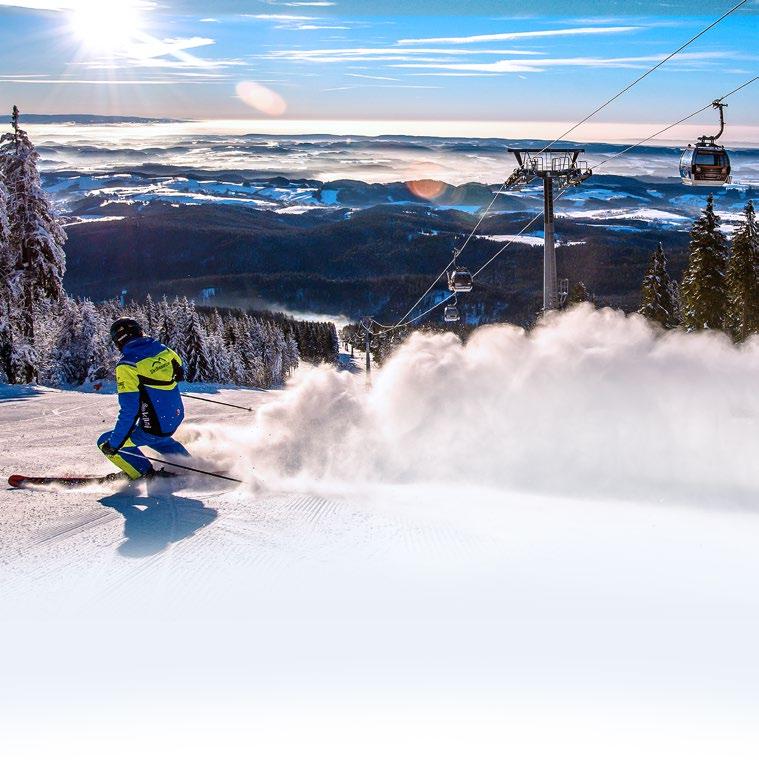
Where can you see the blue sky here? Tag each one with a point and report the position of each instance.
(499, 60)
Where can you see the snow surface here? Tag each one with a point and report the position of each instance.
(651, 215)
(534, 241)
(532, 546)
(531, 240)
(88, 219)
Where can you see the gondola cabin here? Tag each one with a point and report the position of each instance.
(460, 281)
(451, 314)
(707, 165)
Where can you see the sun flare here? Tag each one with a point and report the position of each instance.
(107, 26)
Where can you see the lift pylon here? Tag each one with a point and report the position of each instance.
(558, 169)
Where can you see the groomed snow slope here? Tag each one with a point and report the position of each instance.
(533, 546)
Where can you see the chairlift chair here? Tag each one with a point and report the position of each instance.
(707, 164)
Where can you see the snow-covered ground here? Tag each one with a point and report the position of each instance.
(532, 546)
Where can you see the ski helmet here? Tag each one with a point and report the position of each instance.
(125, 329)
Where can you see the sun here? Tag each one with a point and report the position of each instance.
(107, 27)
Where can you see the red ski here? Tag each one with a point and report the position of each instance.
(66, 481)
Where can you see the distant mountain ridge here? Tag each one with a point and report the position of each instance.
(86, 118)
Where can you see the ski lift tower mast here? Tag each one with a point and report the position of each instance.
(558, 169)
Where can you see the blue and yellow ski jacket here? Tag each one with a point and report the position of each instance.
(147, 378)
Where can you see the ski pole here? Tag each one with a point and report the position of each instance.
(181, 466)
(194, 469)
(221, 403)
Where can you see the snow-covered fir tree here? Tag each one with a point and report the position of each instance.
(703, 293)
(659, 294)
(36, 243)
(167, 326)
(250, 347)
(213, 322)
(291, 357)
(218, 359)
(7, 297)
(579, 293)
(743, 278)
(181, 311)
(196, 364)
(237, 372)
(273, 340)
(68, 361)
(73, 344)
(103, 355)
(152, 316)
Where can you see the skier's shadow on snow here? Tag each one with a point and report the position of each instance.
(152, 523)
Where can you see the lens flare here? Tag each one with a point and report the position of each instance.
(261, 98)
(429, 189)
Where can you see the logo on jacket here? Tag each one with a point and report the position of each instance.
(145, 414)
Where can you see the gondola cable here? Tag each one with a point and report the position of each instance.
(559, 195)
(647, 73)
(608, 102)
(675, 124)
(617, 155)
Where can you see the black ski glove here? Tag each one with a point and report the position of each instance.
(108, 450)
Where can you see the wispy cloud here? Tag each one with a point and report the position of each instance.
(151, 47)
(458, 74)
(342, 55)
(383, 86)
(369, 76)
(143, 50)
(65, 5)
(105, 82)
(205, 65)
(150, 52)
(474, 39)
(508, 66)
(279, 17)
(37, 5)
(312, 27)
(302, 23)
(301, 3)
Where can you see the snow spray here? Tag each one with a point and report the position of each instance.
(590, 402)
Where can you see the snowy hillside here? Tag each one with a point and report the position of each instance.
(537, 545)
(87, 198)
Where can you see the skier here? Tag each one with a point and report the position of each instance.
(151, 407)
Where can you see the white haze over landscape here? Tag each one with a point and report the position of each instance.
(337, 150)
(541, 544)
